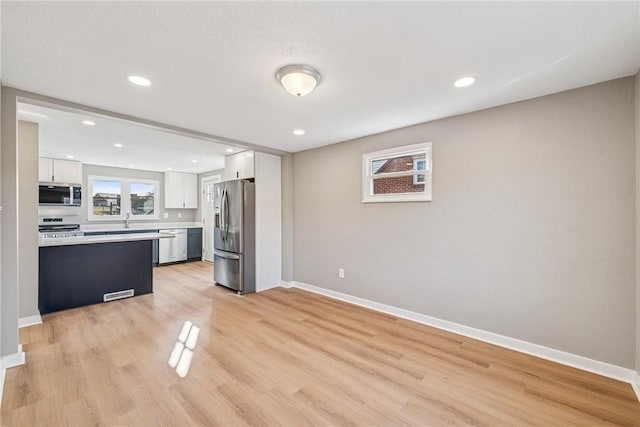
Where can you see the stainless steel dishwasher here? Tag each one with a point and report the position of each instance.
(175, 249)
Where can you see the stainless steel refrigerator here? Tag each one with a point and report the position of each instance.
(234, 236)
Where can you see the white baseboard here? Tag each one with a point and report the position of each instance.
(3, 374)
(635, 383)
(286, 284)
(573, 360)
(10, 361)
(15, 359)
(23, 322)
(266, 288)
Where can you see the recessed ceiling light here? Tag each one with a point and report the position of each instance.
(229, 150)
(117, 145)
(298, 132)
(131, 166)
(465, 81)
(169, 169)
(89, 122)
(194, 161)
(139, 80)
(69, 156)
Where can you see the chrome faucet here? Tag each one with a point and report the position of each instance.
(127, 221)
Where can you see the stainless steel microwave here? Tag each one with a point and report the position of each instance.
(60, 195)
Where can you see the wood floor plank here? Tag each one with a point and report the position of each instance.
(284, 357)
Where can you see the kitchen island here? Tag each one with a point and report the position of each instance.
(84, 270)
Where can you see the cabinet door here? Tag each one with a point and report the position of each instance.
(232, 166)
(67, 171)
(194, 243)
(173, 190)
(45, 169)
(190, 191)
(248, 168)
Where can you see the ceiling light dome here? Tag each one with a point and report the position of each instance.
(298, 79)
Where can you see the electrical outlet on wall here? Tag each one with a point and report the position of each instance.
(341, 273)
(179, 215)
(166, 215)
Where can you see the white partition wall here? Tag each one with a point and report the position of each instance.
(268, 221)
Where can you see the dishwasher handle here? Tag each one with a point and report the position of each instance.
(181, 231)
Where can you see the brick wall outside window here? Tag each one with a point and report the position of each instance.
(399, 184)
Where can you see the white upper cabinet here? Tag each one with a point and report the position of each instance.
(239, 166)
(45, 170)
(180, 190)
(190, 191)
(59, 171)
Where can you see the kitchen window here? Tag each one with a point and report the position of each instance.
(400, 174)
(111, 198)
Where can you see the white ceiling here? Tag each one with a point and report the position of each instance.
(62, 134)
(384, 65)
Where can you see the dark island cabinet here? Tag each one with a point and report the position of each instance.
(156, 252)
(77, 275)
(194, 244)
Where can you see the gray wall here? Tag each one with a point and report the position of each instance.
(9, 224)
(287, 217)
(530, 233)
(28, 219)
(1, 291)
(637, 82)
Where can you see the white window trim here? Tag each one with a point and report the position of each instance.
(125, 198)
(415, 167)
(407, 150)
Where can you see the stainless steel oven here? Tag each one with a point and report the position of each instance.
(59, 227)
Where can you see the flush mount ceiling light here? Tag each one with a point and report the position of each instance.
(117, 145)
(139, 80)
(298, 79)
(465, 81)
(89, 122)
(298, 132)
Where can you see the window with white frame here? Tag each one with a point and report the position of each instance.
(110, 198)
(400, 174)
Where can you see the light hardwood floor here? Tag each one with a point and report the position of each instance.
(284, 357)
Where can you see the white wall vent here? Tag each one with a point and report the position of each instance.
(117, 295)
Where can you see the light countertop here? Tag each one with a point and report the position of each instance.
(86, 240)
(97, 228)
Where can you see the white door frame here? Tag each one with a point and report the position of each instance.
(215, 179)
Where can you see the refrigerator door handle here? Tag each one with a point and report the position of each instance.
(226, 214)
(222, 211)
(226, 255)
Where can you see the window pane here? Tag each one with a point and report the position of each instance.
(398, 184)
(106, 198)
(399, 164)
(142, 198)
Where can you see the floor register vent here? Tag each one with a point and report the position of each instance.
(117, 295)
